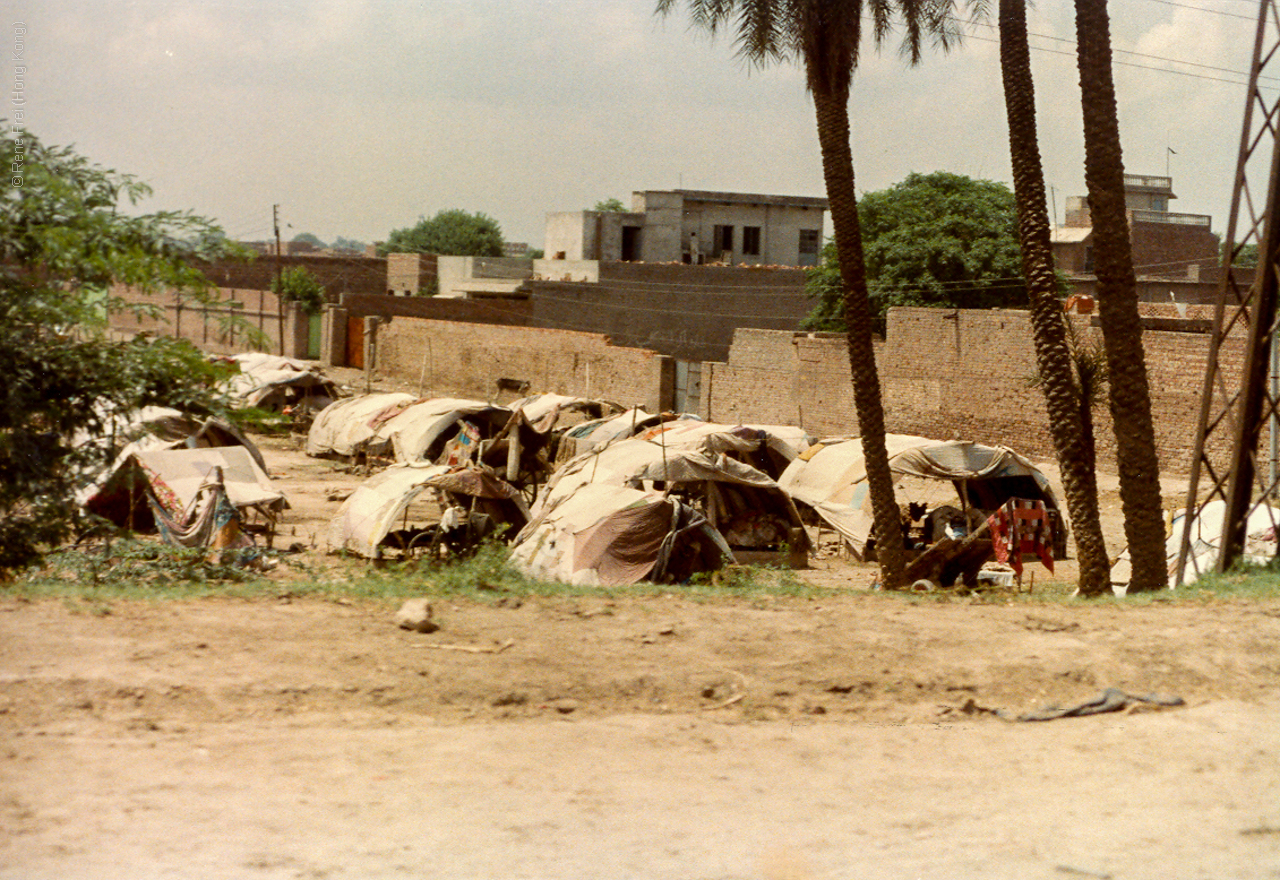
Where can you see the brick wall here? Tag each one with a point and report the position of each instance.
(205, 325)
(338, 275)
(452, 358)
(687, 312)
(408, 274)
(957, 375)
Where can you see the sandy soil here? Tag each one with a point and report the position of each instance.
(851, 735)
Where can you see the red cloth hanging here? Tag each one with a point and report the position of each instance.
(1022, 526)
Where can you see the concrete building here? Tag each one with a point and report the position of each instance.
(694, 226)
(1165, 244)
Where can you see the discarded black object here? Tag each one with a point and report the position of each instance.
(1110, 700)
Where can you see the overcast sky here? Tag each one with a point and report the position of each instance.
(358, 116)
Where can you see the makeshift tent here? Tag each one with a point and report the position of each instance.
(1260, 545)
(419, 431)
(274, 383)
(744, 504)
(831, 477)
(769, 448)
(590, 435)
(564, 409)
(379, 504)
(171, 480)
(614, 535)
(348, 427)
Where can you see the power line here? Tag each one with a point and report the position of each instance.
(1221, 12)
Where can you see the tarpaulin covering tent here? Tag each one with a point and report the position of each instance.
(741, 502)
(272, 382)
(613, 535)
(831, 477)
(1262, 533)
(419, 431)
(171, 479)
(565, 408)
(769, 448)
(583, 438)
(378, 505)
(347, 427)
(402, 426)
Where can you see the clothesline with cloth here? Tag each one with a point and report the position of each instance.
(1022, 526)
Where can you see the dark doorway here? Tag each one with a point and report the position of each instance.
(631, 243)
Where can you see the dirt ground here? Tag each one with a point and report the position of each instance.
(848, 735)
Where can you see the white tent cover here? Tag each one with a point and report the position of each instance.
(372, 510)
(184, 471)
(346, 428)
(635, 461)
(832, 476)
(607, 534)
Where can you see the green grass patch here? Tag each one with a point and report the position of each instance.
(253, 420)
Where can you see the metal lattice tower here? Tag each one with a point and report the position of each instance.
(1232, 471)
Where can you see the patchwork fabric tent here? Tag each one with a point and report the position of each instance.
(613, 535)
(175, 482)
(377, 506)
(1262, 533)
(419, 431)
(583, 438)
(831, 477)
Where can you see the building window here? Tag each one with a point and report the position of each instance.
(723, 241)
(751, 240)
(809, 239)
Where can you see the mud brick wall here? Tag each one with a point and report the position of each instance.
(688, 312)
(449, 358)
(338, 275)
(960, 375)
(203, 324)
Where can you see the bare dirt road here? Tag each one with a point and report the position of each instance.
(848, 735)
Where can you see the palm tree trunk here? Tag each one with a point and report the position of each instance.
(832, 112)
(1053, 353)
(1130, 396)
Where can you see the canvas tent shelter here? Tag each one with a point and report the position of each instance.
(170, 481)
(1261, 544)
(739, 501)
(768, 448)
(347, 428)
(400, 426)
(614, 535)
(831, 478)
(275, 383)
(380, 507)
(590, 435)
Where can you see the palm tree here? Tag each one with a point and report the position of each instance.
(1130, 396)
(825, 36)
(1066, 399)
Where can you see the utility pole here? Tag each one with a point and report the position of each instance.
(275, 221)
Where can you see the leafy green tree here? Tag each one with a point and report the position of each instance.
(309, 238)
(64, 241)
(348, 244)
(610, 205)
(1246, 255)
(939, 239)
(449, 233)
(825, 38)
(297, 284)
